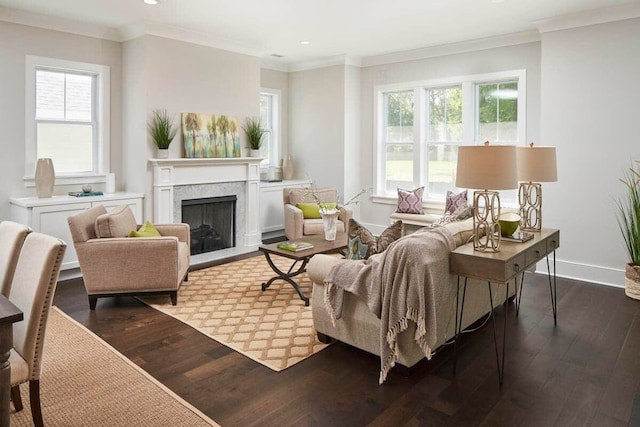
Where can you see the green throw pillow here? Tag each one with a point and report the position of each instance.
(147, 230)
(312, 210)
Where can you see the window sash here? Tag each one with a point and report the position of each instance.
(271, 147)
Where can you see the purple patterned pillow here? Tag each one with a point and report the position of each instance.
(455, 201)
(410, 201)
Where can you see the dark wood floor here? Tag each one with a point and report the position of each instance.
(585, 371)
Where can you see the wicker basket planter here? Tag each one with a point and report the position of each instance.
(632, 281)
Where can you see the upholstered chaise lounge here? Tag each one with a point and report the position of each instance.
(114, 264)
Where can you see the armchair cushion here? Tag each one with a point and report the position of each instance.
(312, 210)
(147, 230)
(117, 223)
(303, 195)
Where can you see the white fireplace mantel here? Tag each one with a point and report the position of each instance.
(169, 173)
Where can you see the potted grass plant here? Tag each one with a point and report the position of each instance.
(629, 222)
(254, 130)
(162, 131)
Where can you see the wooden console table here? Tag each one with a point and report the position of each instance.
(9, 314)
(503, 267)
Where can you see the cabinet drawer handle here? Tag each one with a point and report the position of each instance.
(553, 243)
(516, 267)
(537, 254)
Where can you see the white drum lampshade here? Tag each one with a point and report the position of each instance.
(536, 164)
(487, 167)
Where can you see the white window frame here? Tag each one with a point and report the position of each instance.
(469, 123)
(276, 120)
(101, 105)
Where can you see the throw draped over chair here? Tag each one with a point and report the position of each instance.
(34, 284)
(113, 264)
(12, 237)
(296, 225)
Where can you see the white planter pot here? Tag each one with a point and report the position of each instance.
(163, 153)
(254, 153)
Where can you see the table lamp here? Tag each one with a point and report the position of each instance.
(490, 167)
(535, 163)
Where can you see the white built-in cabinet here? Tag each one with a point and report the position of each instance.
(272, 205)
(49, 215)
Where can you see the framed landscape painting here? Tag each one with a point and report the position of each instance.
(210, 135)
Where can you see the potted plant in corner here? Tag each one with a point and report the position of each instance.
(162, 131)
(253, 129)
(629, 222)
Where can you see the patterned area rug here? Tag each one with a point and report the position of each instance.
(86, 382)
(226, 303)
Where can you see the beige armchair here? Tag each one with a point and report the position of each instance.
(113, 264)
(296, 226)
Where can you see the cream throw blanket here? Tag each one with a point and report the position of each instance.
(407, 282)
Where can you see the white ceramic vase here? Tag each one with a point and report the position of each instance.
(45, 178)
(163, 153)
(287, 167)
(254, 153)
(330, 223)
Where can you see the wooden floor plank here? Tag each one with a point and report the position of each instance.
(585, 371)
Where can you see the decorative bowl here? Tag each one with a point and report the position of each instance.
(509, 223)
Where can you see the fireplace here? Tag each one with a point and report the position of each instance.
(175, 180)
(212, 221)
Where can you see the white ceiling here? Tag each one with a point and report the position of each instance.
(359, 28)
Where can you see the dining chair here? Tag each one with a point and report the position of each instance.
(12, 236)
(34, 283)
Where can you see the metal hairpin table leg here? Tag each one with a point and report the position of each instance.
(553, 290)
(500, 362)
(458, 324)
(518, 296)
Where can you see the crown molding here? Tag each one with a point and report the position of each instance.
(330, 61)
(589, 17)
(453, 48)
(273, 64)
(133, 31)
(66, 25)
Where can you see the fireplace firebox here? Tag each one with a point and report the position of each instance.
(212, 221)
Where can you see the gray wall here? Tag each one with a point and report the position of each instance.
(181, 77)
(590, 93)
(17, 41)
(316, 125)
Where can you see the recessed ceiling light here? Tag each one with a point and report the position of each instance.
(152, 2)
(305, 42)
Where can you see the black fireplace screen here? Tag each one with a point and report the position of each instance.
(212, 222)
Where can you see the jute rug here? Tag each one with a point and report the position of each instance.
(86, 382)
(226, 303)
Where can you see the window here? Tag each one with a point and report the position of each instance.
(270, 118)
(67, 114)
(421, 124)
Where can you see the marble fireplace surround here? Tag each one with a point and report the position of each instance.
(175, 180)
